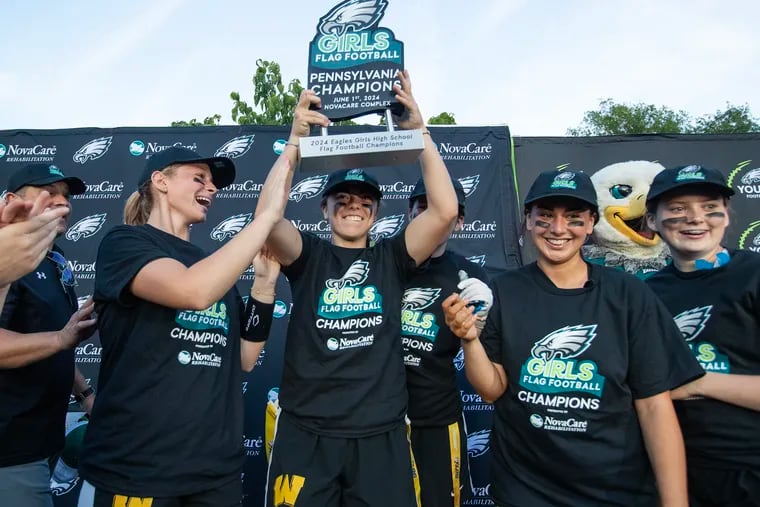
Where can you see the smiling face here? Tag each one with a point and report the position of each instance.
(692, 224)
(189, 190)
(351, 211)
(559, 228)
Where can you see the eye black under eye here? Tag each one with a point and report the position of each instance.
(621, 191)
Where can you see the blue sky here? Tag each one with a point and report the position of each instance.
(535, 65)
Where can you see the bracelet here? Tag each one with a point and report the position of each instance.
(292, 144)
(258, 320)
(426, 132)
(84, 394)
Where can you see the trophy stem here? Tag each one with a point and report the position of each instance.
(323, 131)
(389, 120)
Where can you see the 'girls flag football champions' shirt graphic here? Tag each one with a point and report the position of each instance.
(429, 345)
(566, 431)
(718, 313)
(343, 373)
(169, 414)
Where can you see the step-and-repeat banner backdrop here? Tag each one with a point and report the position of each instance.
(737, 156)
(110, 160)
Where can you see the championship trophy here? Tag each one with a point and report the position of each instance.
(352, 67)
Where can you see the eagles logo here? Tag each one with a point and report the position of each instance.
(478, 443)
(692, 322)
(352, 16)
(356, 274)
(751, 177)
(480, 260)
(236, 147)
(86, 227)
(564, 343)
(469, 184)
(418, 298)
(386, 227)
(307, 188)
(93, 150)
(459, 360)
(231, 226)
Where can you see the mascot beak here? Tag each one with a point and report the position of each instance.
(631, 222)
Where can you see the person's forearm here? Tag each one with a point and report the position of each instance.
(17, 349)
(441, 198)
(664, 444)
(741, 390)
(481, 372)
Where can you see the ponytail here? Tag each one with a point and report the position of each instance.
(139, 205)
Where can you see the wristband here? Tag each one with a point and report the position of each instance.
(84, 394)
(258, 320)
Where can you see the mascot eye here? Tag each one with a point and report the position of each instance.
(621, 191)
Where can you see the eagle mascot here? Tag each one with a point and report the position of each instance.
(622, 239)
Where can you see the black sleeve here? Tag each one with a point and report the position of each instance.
(9, 308)
(660, 359)
(491, 337)
(308, 245)
(122, 254)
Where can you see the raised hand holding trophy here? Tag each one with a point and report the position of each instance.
(356, 67)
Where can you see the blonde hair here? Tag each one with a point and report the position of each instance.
(140, 204)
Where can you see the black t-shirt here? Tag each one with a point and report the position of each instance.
(34, 398)
(168, 419)
(718, 312)
(566, 431)
(344, 373)
(429, 345)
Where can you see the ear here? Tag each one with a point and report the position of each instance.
(10, 196)
(159, 181)
(651, 222)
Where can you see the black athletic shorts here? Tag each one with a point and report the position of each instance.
(227, 495)
(310, 470)
(709, 487)
(440, 453)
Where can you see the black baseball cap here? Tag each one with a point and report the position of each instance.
(575, 184)
(419, 190)
(222, 169)
(38, 175)
(347, 177)
(687, 175)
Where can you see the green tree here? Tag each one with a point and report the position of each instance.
(732, 120)
(612, 118)
(273, 103)
(618, 119)
(442, 119)
(207, 121)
